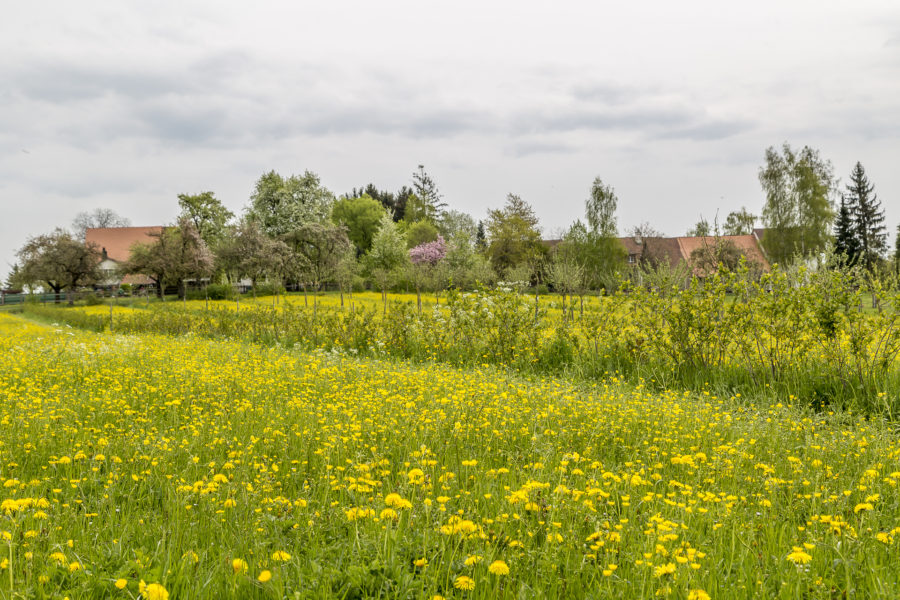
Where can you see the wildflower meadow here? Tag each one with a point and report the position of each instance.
(193, 451)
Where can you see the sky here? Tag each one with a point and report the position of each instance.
(125, 105)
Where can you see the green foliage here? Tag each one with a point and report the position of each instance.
(425, 202)
(420, 232)
(361, 216)
(58, 260)
(739, 222)
(282, 204)
(208, 215)
(513, 234)
(868, 218)
(798, 210)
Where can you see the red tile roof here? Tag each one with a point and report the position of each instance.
(117, 241)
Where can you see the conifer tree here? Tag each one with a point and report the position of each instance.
(846, 242)
(868, 217)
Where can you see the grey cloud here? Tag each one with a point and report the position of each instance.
(528, 148)
(708, 131)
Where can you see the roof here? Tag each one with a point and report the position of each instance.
(117, 241)
(746, 244)
(680, 248)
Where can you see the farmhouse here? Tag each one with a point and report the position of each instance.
(115, 247)
(657, 250)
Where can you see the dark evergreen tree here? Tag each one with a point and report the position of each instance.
(481, 237)
(868, 217)
(846, 243)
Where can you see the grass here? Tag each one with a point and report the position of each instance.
(200, 465)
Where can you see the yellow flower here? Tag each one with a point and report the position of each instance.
(281, 556)
(230, 503)
(121, 583)
(421, 562)
(396, 501)
(388, 514)
(155, 591)
(799, 556)
(498, 567)
(863, 506)
(264, 576)
(663, 570)
(698, 595)
(473, 560)
(464, 583)
(239, 565)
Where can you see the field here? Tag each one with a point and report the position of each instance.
(200, 465)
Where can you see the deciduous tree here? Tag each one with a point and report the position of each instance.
(361, 216)
(60, 261)
(207, 214)
(798, 210)
(513, 235)
(99, 217)
(282, 204)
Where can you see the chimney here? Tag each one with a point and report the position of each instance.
(104, 254)
(638, 240)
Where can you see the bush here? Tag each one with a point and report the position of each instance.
(267, 289)
(92, 299)
(125, 289)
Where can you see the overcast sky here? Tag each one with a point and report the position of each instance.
(125, 105)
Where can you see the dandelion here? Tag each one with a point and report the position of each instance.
(121, 583)
(264, 576)
(498, 567)
(698, 595)
(421, 562)
(155, 591)
(472, 560)
(466, 584)
(799, 556)
(663, 570)
(281, 556)
(239, 565)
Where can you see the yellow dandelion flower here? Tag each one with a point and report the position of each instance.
(281, 556)
(663, 570)
(498, 567)
(698, 595)
(264, 576)
(466, 584)
(121, 583)
(239, 565)
(799, 556)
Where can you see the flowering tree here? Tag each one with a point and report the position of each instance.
(424, 258)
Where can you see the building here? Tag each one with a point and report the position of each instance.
(115, 247)
(657, 250)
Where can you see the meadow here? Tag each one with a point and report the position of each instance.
(208, 464)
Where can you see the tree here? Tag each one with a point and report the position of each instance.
(387, 256)
(846, 243)
(425, 204)
(424, 258)
(701, 229)
(868, 218)
(798, 210)
(395, 204)
(321, 247)
(707, 258)
(513, 235)
(480, 237)
(281, 205)
(897, 253)
(361, 216)
(645, 230)
(604, 251)
(565, 269)
(739, 222)
(600, 209)
(207, 214)
(247, 252)
(465, 265)
(179, 254)
(421, 232)
(60, 261)
(454, 223)
(99, 217)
